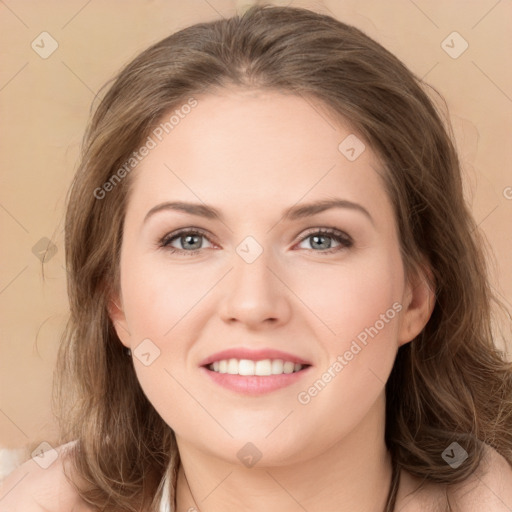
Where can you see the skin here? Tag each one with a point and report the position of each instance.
(30, 488)
(251, 154)
(241, 150)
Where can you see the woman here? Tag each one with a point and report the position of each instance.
(278, 295)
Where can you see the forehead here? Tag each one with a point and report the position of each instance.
(252, 146)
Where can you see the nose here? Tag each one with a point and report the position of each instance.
(255, 295)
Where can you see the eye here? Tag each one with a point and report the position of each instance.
(320, 239)
(188, 239)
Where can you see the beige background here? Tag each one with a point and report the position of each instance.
(45, 106)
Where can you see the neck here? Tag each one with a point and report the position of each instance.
(353, 475)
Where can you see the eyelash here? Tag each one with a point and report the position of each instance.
(341, 237)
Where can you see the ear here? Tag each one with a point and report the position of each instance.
(118, 318)
(418, 304)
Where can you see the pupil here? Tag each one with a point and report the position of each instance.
(325, 245)
(188, 238)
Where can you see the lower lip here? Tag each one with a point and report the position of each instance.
(255, 384)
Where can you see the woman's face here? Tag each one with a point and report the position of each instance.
(257, 278)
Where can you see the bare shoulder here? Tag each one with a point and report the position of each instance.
(41, 486)
(489, 489)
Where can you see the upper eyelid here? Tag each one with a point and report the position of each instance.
(179, 232)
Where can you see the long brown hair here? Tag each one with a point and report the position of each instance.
(450, 384)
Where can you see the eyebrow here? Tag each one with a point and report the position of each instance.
(290, 214)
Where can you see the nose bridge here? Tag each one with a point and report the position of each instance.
(254, 293)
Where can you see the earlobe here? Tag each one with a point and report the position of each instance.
(419, 301)
(118, 318)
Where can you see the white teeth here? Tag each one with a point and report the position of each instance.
(233, 367)
(248, 367)
(288, 367)
(277, 366)
(263, 367)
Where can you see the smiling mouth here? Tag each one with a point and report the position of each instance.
(261, 367)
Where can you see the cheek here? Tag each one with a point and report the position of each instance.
(351, 296)
(361, 304)
(159, 294)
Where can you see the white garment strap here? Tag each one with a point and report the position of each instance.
(165, 504)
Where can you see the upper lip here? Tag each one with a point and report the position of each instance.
(255, 355)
